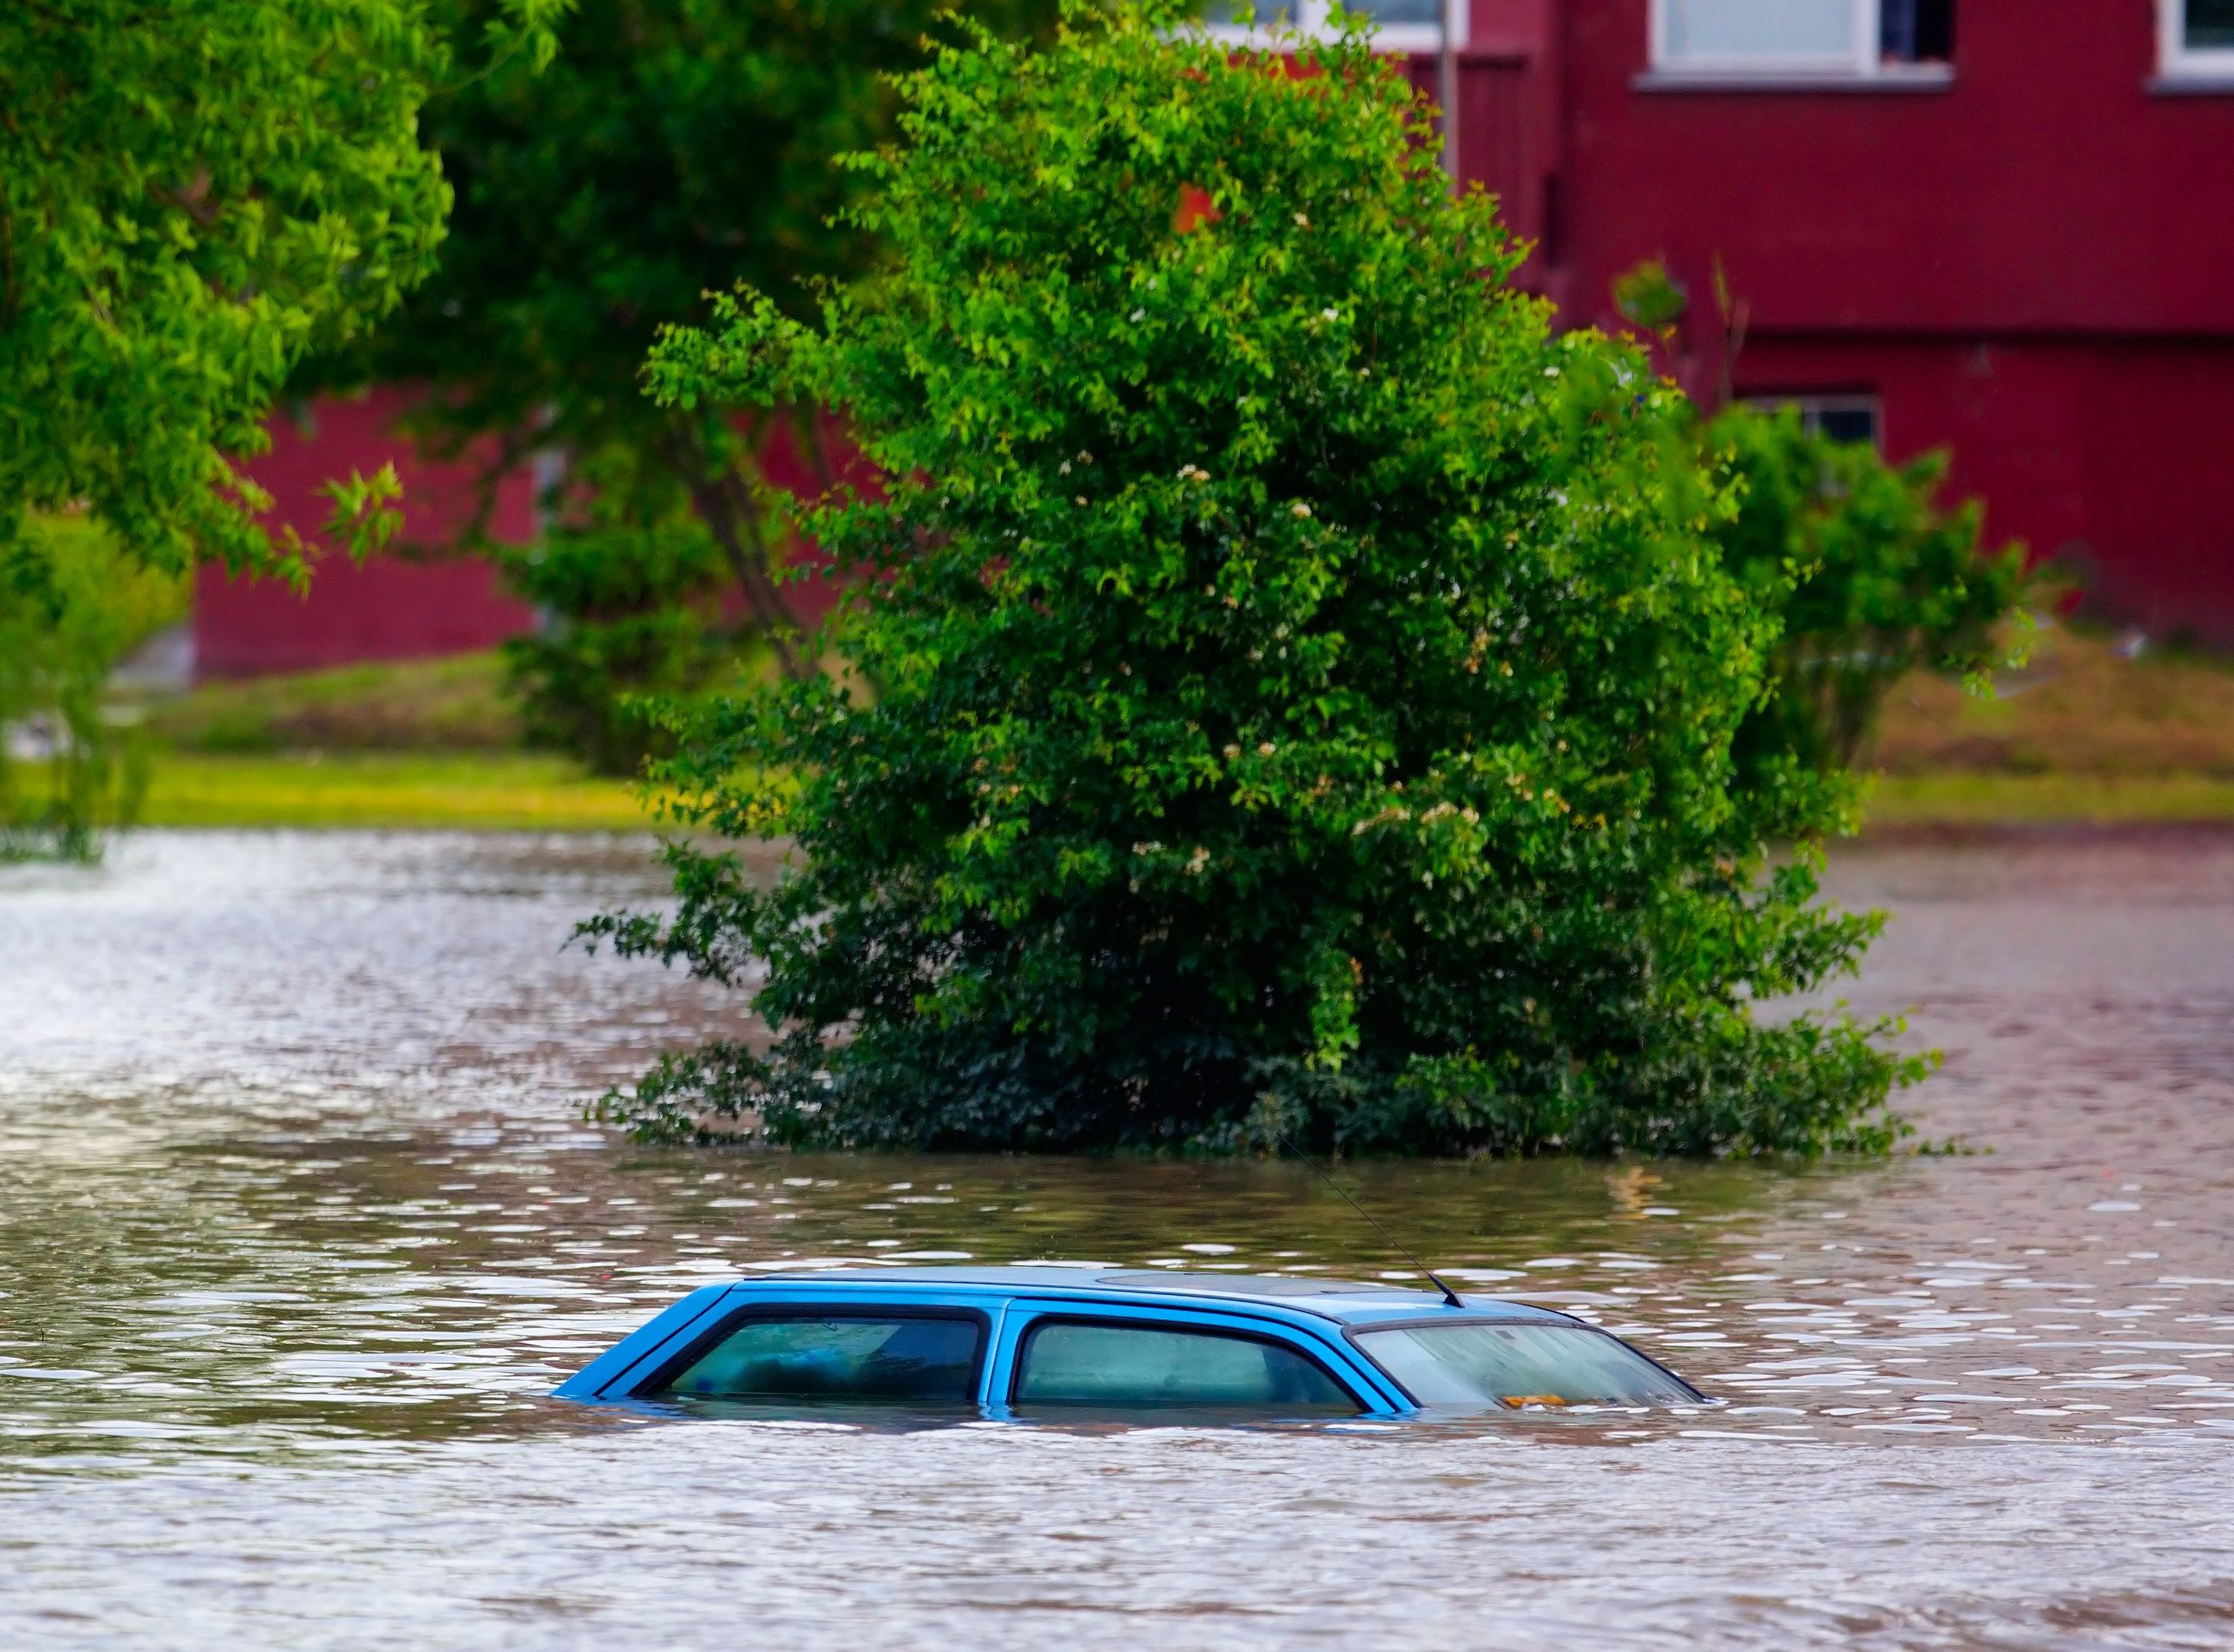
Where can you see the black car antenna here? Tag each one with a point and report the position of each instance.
(1450, 1297)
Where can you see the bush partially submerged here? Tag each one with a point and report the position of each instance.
(1872, 579)
(1303, 688)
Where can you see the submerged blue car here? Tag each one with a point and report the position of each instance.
(1062, 1341)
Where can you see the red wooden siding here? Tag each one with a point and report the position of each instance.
(2027, 263)
(391, 607)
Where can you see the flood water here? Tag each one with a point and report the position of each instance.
(299, 1223)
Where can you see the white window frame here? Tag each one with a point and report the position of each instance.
(1863, 58)
(1310, 18)
(2180, 61)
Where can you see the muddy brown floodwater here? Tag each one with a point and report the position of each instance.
(299, 1223)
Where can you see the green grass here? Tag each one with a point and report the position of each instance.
(1904, 801)
(491, 791)
(511, 791)
(2083, 735)
(454, 704)
(2080, 708)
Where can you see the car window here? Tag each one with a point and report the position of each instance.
(1119, 1366)
(826, 1356)
(1519, 1365)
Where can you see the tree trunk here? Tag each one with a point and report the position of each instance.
(728, 511)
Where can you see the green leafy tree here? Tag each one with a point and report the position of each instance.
(70, 771)
(642, 592)
(1872, 579)
(191, 196)
(1305, 687)
(673, 146)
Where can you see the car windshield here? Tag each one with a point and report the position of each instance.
(1519, 1365)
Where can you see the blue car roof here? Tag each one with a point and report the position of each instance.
(1347, 1301)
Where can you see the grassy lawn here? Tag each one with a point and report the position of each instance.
(453, 704)
(515, 790)
(1904, 801)
(2083, 734)
(2079, 707)
(425, 743)
(486, 791)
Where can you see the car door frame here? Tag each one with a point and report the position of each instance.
(1377, 1395)
(620, 1374)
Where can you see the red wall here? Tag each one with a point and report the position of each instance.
(407, 606)
(2107, 453)
(388, 607)
(2030, 265)
(2045, 189)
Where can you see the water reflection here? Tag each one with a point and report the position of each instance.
(299, 1226)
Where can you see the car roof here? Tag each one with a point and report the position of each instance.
(1349, 1302)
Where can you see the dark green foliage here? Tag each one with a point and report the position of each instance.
(1872, 578)
(1304, 686)
(672, 146)
(585, 680)
(635, 622)
(632, 599)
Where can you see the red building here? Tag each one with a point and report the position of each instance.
(2002, 226)
(392, 607)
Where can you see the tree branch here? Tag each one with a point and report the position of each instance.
(730, 515)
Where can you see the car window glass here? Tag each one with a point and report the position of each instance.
(1519, 1365)
(913, 1357)
(1122, 1366)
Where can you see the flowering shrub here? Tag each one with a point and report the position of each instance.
(1287, 688)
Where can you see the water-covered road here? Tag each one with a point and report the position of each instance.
(298, 1223)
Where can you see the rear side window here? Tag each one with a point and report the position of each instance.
(919, 1357)
(1125, 1367)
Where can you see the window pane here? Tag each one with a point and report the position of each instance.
(1119, 1366)
(1519, 1365)
(1269, 13)
(1917, 31)
(1854, 424)
(1775, 30)
(840, 1357)
(1417, 13)
(1841, 418)
(2210, 25)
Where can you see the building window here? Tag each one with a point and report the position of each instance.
(1404, 25)
(1841, 418)
(2198, 37)
(1828, 37)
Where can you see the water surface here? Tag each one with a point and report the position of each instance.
(299, 1223)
